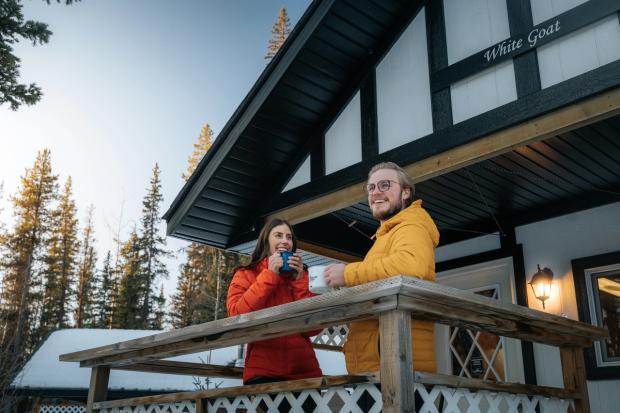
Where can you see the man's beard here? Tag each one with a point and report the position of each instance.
(395, 209)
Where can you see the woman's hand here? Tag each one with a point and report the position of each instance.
(275, 262)
(296, 263)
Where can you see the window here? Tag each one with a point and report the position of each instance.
(597, 289)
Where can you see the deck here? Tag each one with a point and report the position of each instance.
(394, 302)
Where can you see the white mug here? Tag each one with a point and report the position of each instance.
(316, 279)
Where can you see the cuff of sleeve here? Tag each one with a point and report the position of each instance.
(273, 277)
(349, 274)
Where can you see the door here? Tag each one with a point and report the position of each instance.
(481, 355)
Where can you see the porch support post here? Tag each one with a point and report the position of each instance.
(397, 382)
(201, 405)
(98, 391)
(574, 373)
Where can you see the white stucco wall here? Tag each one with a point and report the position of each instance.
(343, 139)
(471, 26)
(554, 243)
(302, 176)
(579, 52)
(403, 89)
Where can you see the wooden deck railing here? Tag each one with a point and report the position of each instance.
(394, 302)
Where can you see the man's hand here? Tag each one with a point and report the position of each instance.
(334, 275)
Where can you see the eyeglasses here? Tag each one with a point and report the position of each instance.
(382, 186)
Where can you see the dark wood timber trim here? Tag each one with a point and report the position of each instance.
(468, 142)
(441, 101)
(368, 108)
(571, 20)
(527, 73)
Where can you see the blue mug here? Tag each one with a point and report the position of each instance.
(287, 269)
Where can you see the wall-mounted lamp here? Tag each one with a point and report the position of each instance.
(541, 284)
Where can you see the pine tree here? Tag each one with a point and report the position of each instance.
(200, 148)
(22, 261)
(13, 27)
(279, 32)
(203, 280)
(153, 245)
(60, 264)
(86, 275)
(160, 310)
(131, 288)
(104, 295)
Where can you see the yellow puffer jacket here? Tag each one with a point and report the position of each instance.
(405, 245)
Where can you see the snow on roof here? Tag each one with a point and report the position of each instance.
(44, 370)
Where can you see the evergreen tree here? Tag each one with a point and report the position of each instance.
(60, 263)
(131, 288)
(22, 261)
(205, 140)
(104, 296)
(160, 310)
(13, 28)
(84, 312)
(279, 32)
(203, 280)
(153, 245)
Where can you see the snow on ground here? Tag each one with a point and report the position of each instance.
(44, 370)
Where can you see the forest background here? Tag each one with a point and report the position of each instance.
(55, 270)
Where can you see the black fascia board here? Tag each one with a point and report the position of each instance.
(259, 92)
(536, 104)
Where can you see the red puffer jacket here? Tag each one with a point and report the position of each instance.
(290, 357)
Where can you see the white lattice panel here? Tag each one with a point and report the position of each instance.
(335, 399)
(332, 336)
(186, 406)
(51, 408)
(435, 400)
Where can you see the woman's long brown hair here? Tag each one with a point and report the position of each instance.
(262, 243)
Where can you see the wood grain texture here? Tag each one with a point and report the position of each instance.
(424, 299)
(184, 368)
(396, 362)
(98, 390)
(283, 386)
(574, 375)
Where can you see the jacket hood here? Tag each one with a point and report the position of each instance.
(413, 213)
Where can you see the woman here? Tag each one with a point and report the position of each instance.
(260, 285)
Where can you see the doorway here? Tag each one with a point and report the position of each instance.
(476, 354)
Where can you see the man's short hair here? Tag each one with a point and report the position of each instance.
(403, 178)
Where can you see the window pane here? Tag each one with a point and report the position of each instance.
(609, 312)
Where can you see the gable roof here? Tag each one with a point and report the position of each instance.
(331, 52)
(272, 130)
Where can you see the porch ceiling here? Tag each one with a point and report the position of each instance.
(568, 172)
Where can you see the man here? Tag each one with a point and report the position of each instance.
(404, 245)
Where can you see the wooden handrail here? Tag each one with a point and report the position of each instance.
(394, 301)
(423, 299)
(331, 381)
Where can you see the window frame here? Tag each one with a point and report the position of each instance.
(584, 270)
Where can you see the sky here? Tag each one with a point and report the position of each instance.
(127, 84)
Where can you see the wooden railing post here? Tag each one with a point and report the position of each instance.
(201, 405)
(397, 379)
(574, 374)
(98, 390)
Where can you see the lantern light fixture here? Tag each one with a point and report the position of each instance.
(541, 284)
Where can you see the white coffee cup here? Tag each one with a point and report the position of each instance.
(316, 279)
